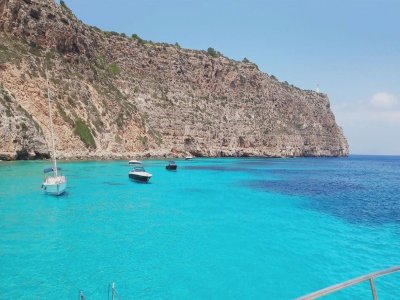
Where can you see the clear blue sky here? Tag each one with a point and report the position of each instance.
(350, 48)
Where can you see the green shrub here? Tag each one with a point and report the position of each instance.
(64, 6)
(245, 60)
(64, 115)
(84, 133)
(96, 28)
(156, 136)
(100, 63)
(212, 52)
(71, 101)
(118, 139)
(35, 49)
(177, 45)
(62, 3)
(23, 126)
(143, 140)
(138, 38)
(114, 33)
(7, 97)
(3, 47)
(274, 78)
(120, 120)
(114, 69)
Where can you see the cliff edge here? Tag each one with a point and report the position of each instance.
(117, 97)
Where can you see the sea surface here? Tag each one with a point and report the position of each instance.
(215, 229)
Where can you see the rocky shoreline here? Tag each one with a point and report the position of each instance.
(145, 155)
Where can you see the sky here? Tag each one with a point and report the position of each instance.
(351, 49)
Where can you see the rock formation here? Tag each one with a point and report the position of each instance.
(117, 97)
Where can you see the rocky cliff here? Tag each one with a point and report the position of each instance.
(116, 96)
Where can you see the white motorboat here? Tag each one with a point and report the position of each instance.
(54, 184)
(134, 162)
(189, 157)
(139, 174)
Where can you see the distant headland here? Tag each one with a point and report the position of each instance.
(116, 96)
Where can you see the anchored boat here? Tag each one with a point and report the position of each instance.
(54, 184)
(171, 166)
(139, 174)
(134, 162)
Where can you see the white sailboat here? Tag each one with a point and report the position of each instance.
(54, 183)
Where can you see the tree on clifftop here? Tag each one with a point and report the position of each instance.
(212, 52)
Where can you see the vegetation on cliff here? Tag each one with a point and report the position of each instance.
(84, 133)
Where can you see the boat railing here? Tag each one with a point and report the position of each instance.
(337, 287)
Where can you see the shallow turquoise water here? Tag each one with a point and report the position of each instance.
(215, 229)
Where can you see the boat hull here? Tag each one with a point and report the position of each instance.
(139, 178)
(55, 189)
(171, 167)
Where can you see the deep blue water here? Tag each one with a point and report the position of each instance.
(215, 229)
(370, 186)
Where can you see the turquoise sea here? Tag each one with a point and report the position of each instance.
(216, 229)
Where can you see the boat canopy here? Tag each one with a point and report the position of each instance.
(47, 170)
(139, 169)
(50, 169)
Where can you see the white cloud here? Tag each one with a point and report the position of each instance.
(373, 126)
(384, 100)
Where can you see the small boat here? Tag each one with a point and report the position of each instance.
(54, 184)
(189, 157)
(135, 162)
(139, 174)
(171, 166)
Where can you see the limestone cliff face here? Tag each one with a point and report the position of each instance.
(115, 96)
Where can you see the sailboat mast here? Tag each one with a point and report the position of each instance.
(51, 128)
